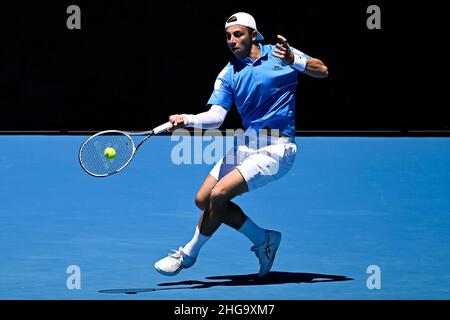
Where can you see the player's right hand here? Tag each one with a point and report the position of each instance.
(283, 51)
(177, 121)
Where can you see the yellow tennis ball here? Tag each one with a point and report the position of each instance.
(110, 153)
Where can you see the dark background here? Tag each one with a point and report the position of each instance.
(133, 64)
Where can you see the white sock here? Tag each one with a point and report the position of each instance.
(192, 248)
(256, 234)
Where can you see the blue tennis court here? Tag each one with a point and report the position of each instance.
(348, 203)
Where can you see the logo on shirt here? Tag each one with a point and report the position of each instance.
(276, 66)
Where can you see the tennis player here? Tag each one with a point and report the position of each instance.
(261, 81)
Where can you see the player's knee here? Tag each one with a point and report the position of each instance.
(218, 198)
(201, 202)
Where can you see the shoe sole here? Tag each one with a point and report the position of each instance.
(277, 241)
(172, 273)
(168, 273)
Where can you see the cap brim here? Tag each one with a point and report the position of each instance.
(259, 36)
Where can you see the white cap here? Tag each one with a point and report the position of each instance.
(244, 19)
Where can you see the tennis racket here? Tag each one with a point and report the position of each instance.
(92, 152)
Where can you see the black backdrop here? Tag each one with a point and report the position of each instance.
(133, 63)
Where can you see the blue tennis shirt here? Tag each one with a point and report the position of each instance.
(263, 91)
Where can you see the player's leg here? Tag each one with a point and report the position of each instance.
(186, 256)
(234, 217)
(218, 195)
(223, 210)
(192, 248)
(220, 208)
(266, 242)
(204, 193)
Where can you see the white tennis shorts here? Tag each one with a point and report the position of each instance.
(260, 159)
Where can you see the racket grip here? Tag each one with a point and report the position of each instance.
(161, 128)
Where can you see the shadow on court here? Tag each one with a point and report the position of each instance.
(238, 280)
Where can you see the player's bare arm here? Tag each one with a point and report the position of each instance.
(316, 68)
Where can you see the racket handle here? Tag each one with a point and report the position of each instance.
(161, 128)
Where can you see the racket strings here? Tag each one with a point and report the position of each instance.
(92, 155)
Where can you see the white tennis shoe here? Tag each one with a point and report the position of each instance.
(174, 262)
(266, 252)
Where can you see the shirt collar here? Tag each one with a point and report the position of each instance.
(263, 49)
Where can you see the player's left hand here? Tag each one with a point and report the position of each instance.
(283, 51)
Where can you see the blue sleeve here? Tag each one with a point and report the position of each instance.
(223, 92)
